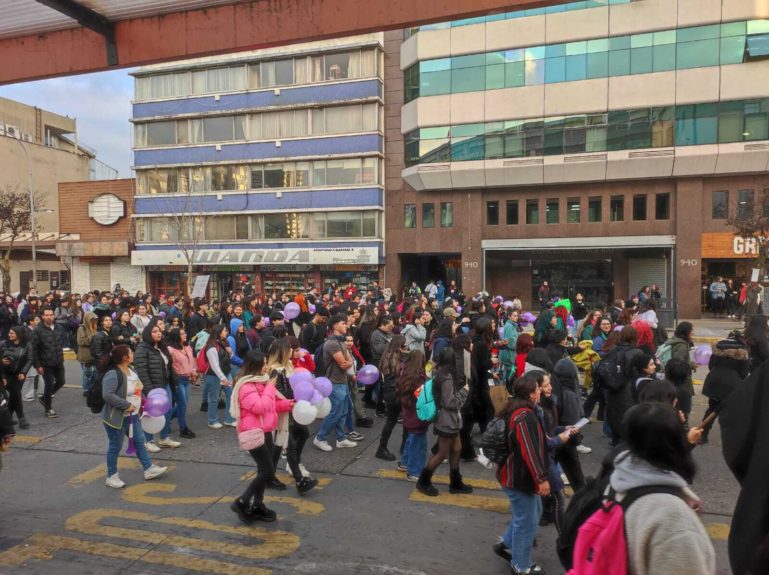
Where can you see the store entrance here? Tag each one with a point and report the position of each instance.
(423, 268)
(592, 278)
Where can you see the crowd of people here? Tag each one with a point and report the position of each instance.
(478, 357)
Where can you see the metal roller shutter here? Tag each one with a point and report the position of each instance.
(100, 277)
(650, 271)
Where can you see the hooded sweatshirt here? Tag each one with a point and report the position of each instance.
(239, 343)
(664, 534)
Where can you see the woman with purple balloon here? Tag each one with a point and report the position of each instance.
(291, 434)
(121, 390)
(680, 345)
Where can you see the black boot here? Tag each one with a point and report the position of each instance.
(243, 511)
(204, 406)
(425, 485)
(305, 484)
(383, 453)
(259, 512)
(456, 485)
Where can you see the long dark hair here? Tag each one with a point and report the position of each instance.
(523, 387)
(216, 334)
(253, 363)
(175, 338)
(116, 356)
(412, 374)
(755, 332)
(389, 364)
(21, 335)
(653, 433)
(484, 331)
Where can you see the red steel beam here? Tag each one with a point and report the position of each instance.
(245, 25)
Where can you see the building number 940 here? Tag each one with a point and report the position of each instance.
(689, 262)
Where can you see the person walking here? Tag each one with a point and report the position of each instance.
(524, 475)
(390, 368)
(680, 344)
(121, 390)
(85, 334)
(218, 377)
(185, 368)
(727, 368)
(256, 404)
(14, 365)
(47, 354)
(415, 449)
(510, 338)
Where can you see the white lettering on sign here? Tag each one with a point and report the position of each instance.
(745, 246)
(471, 264)
(689, 262)
(288, 256)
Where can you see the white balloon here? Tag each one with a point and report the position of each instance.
(153, 424)
(324, 408)
(304, 412)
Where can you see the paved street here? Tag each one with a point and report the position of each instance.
(58, 517)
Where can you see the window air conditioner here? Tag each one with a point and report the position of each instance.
(12, 131)
(26, 137)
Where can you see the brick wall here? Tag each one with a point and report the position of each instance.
(73, 209)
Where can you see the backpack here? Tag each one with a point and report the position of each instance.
(664, 353)
(601, 545)
(427, 410)
(94, 398)
(320, 364)
(201, 340)
(495, 442)
(610, 371)
(202, 361)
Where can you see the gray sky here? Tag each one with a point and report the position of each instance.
(100, 102)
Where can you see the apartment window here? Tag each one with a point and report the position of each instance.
(572, 213)
(720, 205)
(594, 206)
(532, 211)
(662, 207)
(428, 215)
(161, 133)
(617, 209)
(492, 213)
(745, 199)
(639, 207)
(447, 214)
(511, 209)
(551, 211)
(410, 215)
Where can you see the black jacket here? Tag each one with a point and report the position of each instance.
(153, 372)
(619, 401)
(21, 360)
(127, 331)
(8, 316)
(195, 324)
(728, 366)
(101, 346)
(45, 347)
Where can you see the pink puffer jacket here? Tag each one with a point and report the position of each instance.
(258, 407)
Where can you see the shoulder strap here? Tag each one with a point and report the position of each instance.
(632, 495)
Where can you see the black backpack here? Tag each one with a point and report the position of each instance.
(611, 372)
(94, 398)
(320, 365)
(495, 442)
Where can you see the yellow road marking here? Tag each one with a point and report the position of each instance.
(718, 530)
(100, 471)
(141, 494)
(43, 546)
(442, 479)
(28, 439)
(275, 543)
(285, 478)
(482, 502)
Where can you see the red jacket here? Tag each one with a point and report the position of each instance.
(527, 465)
(306, 361)
(520, 364)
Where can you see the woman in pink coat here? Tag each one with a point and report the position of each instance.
(256, 405)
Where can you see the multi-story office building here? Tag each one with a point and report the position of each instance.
(600, 145)
(264, 168)
(41, 149)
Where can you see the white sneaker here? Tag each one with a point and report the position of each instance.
(29, 396)
(115, 482)
(302, 470)
(584, 449)
(322, 445)
(216, 425)
(151, 447)
(168, 442)
(154, 471)
(232, 424)
(346, 443)
(565, 479)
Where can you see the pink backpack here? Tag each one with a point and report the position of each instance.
(601, 546)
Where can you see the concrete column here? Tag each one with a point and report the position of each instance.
(689, 202)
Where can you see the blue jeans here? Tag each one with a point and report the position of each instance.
(340, 395)
(166, 431)
(179, 409)
(212, 389)
(415, 453)
(115, 438)
(349, 419)
(88, 372)
(519, 536)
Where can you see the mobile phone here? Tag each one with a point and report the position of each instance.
(582, 423)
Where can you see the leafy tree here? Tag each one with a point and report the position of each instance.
(751, 221)
(15, 222)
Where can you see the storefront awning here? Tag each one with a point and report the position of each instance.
(618, 242)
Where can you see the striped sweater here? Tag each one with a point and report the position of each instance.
(527, 465)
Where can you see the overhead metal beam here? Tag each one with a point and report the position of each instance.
(91, 20)
(239, 26)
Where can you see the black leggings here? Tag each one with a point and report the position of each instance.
(297, 437)
(264, 457)
(568, 457)
(392, 411)
(15, 404)
(553, 507)
(596, 396)
(712, 406)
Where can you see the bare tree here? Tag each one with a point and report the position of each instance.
(752, 223)
(15, 222)
(186, 223)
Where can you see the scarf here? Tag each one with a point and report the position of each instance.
(235, 399)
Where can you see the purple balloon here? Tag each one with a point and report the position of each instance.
(312, 308)
(618, 327)
(529, 317)
(498, 298)
(507, 304)
(162, 314)
(157, 405)
(459, 309)
(266, 321)
(291, 310)
(317, 398)
(501, 332)
(114, 316)
(324, 386)
(158, 391)
(303, 390)
(368, 375)
(300, 375)
(702, 354)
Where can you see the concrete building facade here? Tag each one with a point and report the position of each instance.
(264, 168)
(599, 145)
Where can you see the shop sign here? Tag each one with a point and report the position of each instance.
(286, 268)
(726, 245)
(289, 256)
